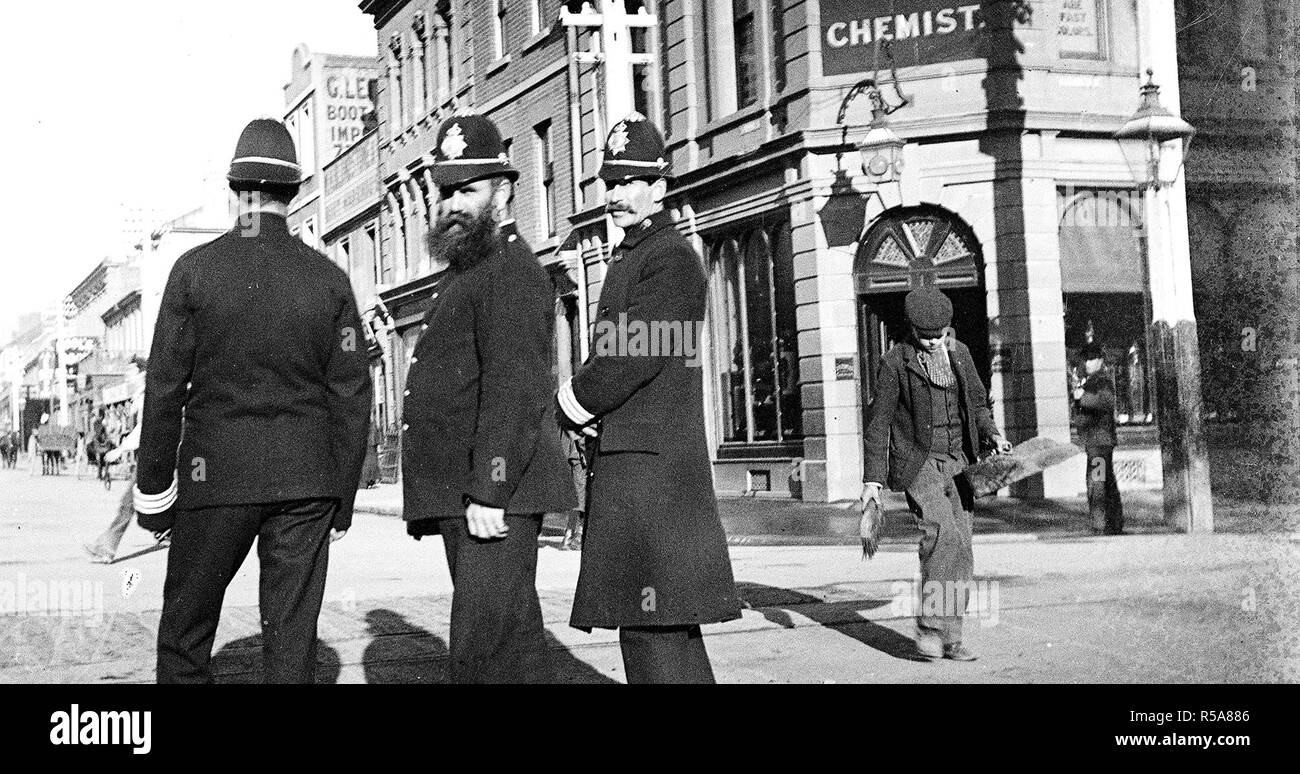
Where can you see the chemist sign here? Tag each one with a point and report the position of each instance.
(919, 32)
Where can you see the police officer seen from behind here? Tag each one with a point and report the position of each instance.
(928, 419)
(1094, 399)
(481, 456)
(654, 557)
(257, 401)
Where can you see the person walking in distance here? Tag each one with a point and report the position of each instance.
(256, 407)
(481, 456)
(928, 419)
(1094, 400)
(654, 556)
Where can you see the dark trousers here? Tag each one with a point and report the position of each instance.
(208, 546)
(1103, 491)
(942, 501)
(497, 634)
(664, 654)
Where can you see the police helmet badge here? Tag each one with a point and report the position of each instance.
(453, 143)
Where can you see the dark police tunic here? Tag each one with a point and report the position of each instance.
(259, 341)
(479, 422)
(654, 553)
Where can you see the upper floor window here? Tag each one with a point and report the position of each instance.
(534, 16)
(546, 179)
(499, 28)
(303, 131)
(733, 55)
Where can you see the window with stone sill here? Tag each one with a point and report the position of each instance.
(732, 56)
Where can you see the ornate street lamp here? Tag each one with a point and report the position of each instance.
(881, 149)
(1174, 349)
(1157, 129)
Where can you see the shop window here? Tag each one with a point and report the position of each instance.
(1104, 287)
(1116, 321)
(756, 353)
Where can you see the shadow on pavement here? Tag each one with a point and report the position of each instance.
(402, 652)
(240, 661)
(769, 602)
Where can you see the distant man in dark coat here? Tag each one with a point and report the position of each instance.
(481, 455)
(256, 407)
(1095, 402)
(929, 419)
(654, 556)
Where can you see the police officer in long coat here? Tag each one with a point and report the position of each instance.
(256, 407)
(481, 455)
(654, 558)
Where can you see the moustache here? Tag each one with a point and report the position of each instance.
(456, 220)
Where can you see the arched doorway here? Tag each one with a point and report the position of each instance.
(906, 248)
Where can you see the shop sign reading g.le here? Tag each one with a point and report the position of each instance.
(920, 31)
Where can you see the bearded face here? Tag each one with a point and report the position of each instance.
(466, 229)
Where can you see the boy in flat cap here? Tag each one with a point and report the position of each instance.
(929, 418)
(481, 455)
(1094, 399)
(654, 557)
(256, 407)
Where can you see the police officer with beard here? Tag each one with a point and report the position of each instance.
(256, 407)
(654, 557)
(481, 456)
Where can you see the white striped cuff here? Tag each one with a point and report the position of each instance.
(572, 408)
(150, 504)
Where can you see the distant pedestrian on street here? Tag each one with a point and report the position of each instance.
(481, 455)
(1094, 400)
(257, 401)
(104, 549)
(654, 556)
(928, 419)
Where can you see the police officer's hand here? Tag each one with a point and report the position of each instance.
(337, 534)
(486, 522)
(1078, 393)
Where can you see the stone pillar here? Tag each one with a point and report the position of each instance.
(826, 316)
(1014, 217)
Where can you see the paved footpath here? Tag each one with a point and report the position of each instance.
(1055, 606)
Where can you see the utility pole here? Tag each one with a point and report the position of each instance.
(611, 48)
(612, 25)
